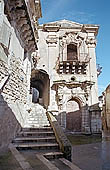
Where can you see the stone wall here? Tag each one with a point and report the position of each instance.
(95, 119)
(13, 87)
(106, 109)
(12, 101)
(9, 124)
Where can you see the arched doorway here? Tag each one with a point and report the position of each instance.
(73, 116)
(40, 81)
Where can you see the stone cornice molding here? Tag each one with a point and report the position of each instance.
(89, 28)
(51, 28)
(76, 27)
(86, 85)
(21, 18)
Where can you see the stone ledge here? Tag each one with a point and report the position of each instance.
(69, 164)
(21, 160)
(46, 162)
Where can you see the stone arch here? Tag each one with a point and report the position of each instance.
(40, 81)
(79, 99)
(74, 114)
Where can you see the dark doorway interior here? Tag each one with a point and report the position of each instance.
(40, 81)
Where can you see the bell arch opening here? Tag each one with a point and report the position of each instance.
(40, 85)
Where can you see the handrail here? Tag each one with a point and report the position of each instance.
(61, 138)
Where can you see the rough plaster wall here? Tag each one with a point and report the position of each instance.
(12, 104)
(9, 125)
(13, 98)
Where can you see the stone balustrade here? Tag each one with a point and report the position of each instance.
(61, 138)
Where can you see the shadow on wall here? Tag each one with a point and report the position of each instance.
(9, 125)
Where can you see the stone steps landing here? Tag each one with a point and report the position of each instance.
(36, 134)
(41, 140)
(53, 155)
(37, 146)
(34, 139)
(37, 117)
(37, 129)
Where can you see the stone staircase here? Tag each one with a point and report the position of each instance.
(38, 135)
(37, 116)
(36, 144)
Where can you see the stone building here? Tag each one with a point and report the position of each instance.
(18, 40)
(106, 109)
(66, 76)
(52, 64)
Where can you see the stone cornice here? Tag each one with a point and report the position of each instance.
(74, 84)
(56, 26)
(91, 28)
(21, 18)
(51, 28)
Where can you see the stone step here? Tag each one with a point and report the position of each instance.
(37, 125)
(37, 118)
(37, 129)
(33, 133)
(34, 139)
(29, 125)
(38, 122)
(39, 146)
(53, 155)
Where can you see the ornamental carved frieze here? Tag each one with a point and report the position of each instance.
(71, 37)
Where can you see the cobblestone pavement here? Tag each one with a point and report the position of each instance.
(105, 151)
(88, 156)
(95, 156)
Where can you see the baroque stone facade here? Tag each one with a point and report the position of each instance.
(66, 52)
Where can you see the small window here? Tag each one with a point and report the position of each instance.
(72, 52)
